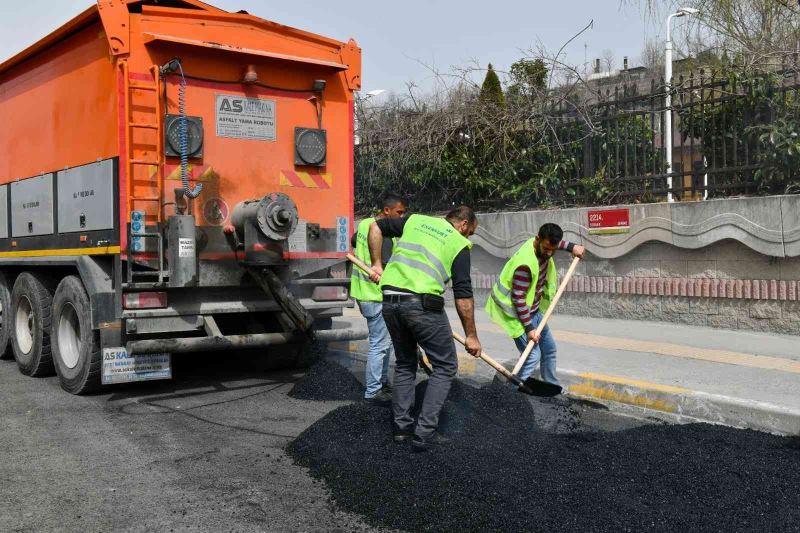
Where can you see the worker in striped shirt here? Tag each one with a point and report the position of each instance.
(523, 293)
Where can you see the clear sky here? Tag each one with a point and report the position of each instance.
(399, 38)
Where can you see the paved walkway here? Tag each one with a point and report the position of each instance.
(748, 366)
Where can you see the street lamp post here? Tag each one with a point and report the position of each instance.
(668, 98)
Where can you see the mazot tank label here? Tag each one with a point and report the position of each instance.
(239, 117)
(185, 247)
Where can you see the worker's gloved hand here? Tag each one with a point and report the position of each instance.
(377, 272)
(534, 337)
(473, 345)
(578, 251)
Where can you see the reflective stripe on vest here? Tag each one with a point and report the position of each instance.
(423, 258)
(508, 309)
(443, 275)
(361, 287)
(501, 308)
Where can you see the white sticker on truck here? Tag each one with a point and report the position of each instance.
(120, 367)
(239, 117)
(185, 247)
(298, 241)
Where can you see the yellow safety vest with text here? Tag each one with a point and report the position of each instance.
(423, 256)
(499, 305)
(361, 287)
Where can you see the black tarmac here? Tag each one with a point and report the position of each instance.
(514, 464)
(326, 381)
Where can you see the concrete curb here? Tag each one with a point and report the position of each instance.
(618, 393)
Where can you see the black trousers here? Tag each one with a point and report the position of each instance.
(409, 324)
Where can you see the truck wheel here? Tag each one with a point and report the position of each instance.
(76, 346)
(31, 306)
(5, 319)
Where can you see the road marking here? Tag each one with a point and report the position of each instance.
(617, 380)
(765, 362)
(591, 390)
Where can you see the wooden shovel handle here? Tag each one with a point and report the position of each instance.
(491, 362)
(546, 317)
(360, 264)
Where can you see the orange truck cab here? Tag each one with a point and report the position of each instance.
(173, 178)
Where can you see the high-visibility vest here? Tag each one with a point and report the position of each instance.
(422, 259)
(499, 305)
(361, 287)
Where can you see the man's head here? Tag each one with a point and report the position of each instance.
(463, 220)
(548, 239)
(393, 206)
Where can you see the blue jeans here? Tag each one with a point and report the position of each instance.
(544, 352)
(380, 348)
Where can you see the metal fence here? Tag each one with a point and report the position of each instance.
(724, 141)
(732, 135)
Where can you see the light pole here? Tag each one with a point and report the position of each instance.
(684, 11)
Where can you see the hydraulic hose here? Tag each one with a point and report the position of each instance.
(183, 139)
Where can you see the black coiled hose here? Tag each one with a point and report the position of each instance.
(183, 138)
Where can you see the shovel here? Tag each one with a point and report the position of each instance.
(532, 386)
(543, 323)
(421, 357)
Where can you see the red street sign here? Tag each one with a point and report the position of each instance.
(609, 221)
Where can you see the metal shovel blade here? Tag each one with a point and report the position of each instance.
(537, 387)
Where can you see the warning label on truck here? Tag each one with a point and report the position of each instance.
(120, 367)
(185, 247)
(239, 117)
(298, 241)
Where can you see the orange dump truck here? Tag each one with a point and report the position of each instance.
(173, 178)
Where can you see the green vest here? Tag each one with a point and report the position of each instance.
(361, 287)
(499, 304)
(423, 257)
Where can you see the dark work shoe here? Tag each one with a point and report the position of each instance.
(423, 444)
(402, 435)
(383, 397)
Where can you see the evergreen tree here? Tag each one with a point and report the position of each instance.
(491, 90)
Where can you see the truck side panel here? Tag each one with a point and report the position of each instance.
(58, 109)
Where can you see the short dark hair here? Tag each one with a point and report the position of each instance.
(462, 213)
(551, 233)
(391, 199)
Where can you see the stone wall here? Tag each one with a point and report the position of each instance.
(729, 264)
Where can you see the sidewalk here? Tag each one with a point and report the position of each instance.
(736, 378)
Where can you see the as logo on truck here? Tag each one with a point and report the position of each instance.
(231, 105)
(239, 117)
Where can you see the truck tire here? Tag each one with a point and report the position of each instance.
(5, 319)
(31, 307)
(76, 346)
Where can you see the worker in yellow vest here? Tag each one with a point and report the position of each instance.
(429, 253)
(523, 293)
(369, 298)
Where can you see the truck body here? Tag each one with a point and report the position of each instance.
(173, 178)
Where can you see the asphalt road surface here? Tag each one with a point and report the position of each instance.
(204, 452)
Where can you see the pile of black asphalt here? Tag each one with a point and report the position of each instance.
(325, 381)
(509, 466)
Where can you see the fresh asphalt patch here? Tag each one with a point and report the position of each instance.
(327, 381)
(513, 464)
